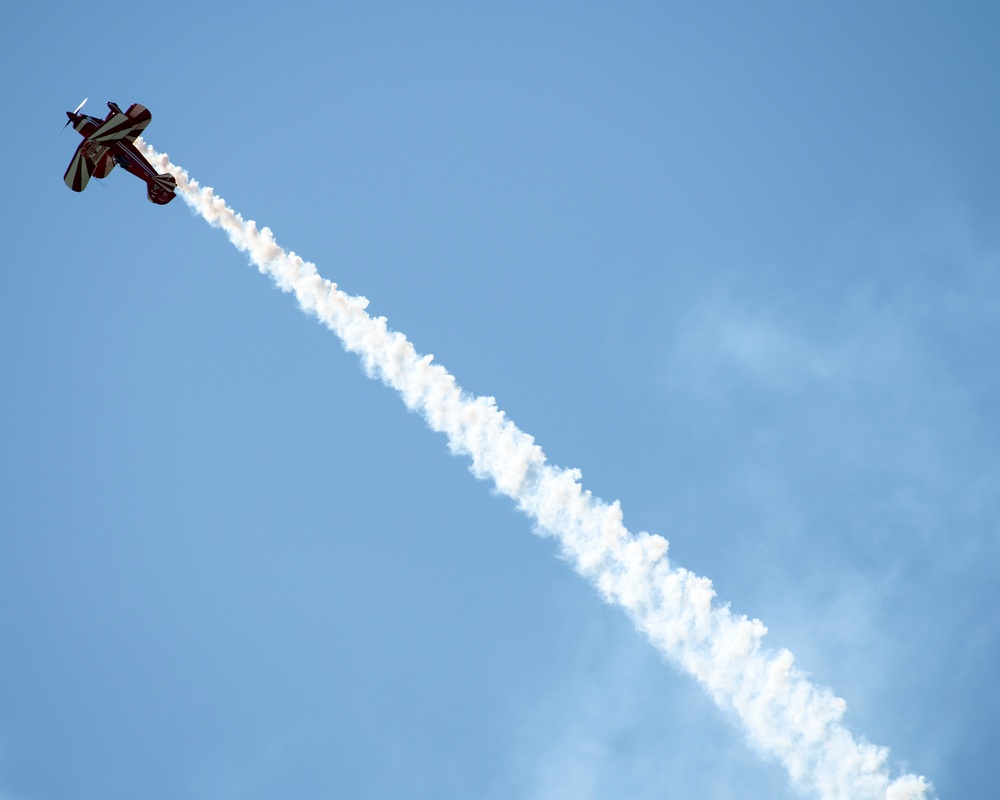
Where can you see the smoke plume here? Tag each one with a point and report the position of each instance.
(783, 714)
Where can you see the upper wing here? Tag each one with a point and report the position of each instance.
(140, 117)
(125, 126)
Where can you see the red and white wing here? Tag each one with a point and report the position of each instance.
(79, 171)
(113, 128)
(89, 160)
(140, 117)
(125, 126)
(104, 164)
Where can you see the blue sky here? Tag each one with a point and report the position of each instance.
(738, 265)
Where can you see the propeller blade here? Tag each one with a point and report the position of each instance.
(74, 111)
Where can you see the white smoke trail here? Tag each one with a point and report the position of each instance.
(784, 715)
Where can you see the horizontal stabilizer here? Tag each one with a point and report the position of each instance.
(161, 189)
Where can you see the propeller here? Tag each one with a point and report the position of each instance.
(74, 112)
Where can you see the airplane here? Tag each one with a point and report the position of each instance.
(111, 141)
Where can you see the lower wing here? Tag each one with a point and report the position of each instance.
(89, 160)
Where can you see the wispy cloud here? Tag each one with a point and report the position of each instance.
(853, 406)
(615, 725)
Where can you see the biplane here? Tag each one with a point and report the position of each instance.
(112, 141)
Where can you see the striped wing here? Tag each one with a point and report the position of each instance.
(80, 169)
(104, 164)
(125, 126)
(90, 160)
(140, 117)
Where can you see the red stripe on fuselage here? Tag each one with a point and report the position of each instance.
(128, 156)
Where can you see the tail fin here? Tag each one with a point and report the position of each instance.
(160, 189)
